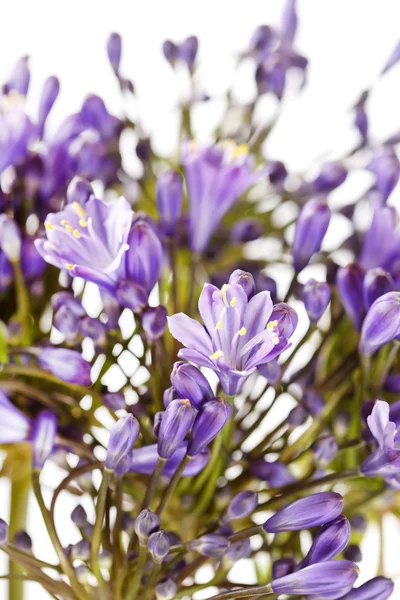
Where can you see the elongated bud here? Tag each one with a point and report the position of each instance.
(22, 540)
(210, 420)
(282, 567)
(79, 516)
(242, 505)
(350, 281)
(79, 190)
(10, 238)
(132, 295)
(313, 510)
(166, 590)
(297, 416)
(316, 297)
(311, 227)
(158, 546)
(379, 588)
(170, 51)
(144, 256)
(50, 92)
(245, 280)
(382, 323)
(146, 523)
(286, 318)
(353, 553)
(238, 550)
(320, 580)
(154, 321)
(325, 449)
(188, 50)
(169, 194)
(246, 230)
(190, 383)
(114, 51)
(330, 177)
(3, 532)
(175, 424)
(330, 541)
(19, 78)
(122, 437)
(43, 434)
(66, 364)
(376, 283)
(288, 26)
(171, 394)
(386, 167)
(211, 544)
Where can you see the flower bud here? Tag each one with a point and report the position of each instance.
(65, 364)
(79, 516)
(211, 544)
(23, 541)
(245, 280)
(146, 523)
(158, 546)
(50, 92)
(81, 550)
(276, 474)
(131, 295)
(95, 330)
(282, 567)
(386, 168)
(382, 323)
(19, 78)
(208, 423)
(246, 230)
(43, 434)
(358, 523)
(122, 438)
(297, 416)
(83, 574)
(144, 256)
(350, 286)
(170, 51)
(332, 175)
(154, 321)
(376, 283)
(188, 50)
(171, 394)
(378, 588)
(238, 550)
(353, 553)
(10, 238)
(3, 532)
(311, 227)
(67, 323)
(114, 400)
(175, 424)
(79, 190)
(330, 541)
(316, 297)
(190, 383)
(166, 590)
(169, 194)
(242, 505)
(325, 449)
(271, 371)
(313, 510)
(324, 579)
(286, 318)
(114, 50)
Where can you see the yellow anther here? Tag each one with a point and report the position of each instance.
(48, 225)
(69, 228)
(241, 150)
(76, 233)
(223, 294)
(83, 223)
(64, 222)
(69, 266)
(79, 210)
(271, 325)
(219, 324)
(233, 302)
(216, 355)
(243, 331)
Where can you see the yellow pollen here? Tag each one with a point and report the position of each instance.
(241, 150)
(69, 266)
(271, 325)
(223, 294)
(216, 355)
(78, 208)
(76, 233)
(83, 223)
(233, 302)
(219, 324)
(64, 222)
(48, 225)
(69, 228)
(243, 331)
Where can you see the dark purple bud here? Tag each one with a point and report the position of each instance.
(330, 177)
(158, 545)
(313, 402)
(170, 51)
(169, 194)
(143, 149)
(242, 505)
(212, 417)
(353, 553)
(79, 516)
(132, 295)
(123, 435)
(350, 281)
(286, 318)
(297, 416)
(277, 173)
(144, 257)
(316, 297)
(114, 400)
(282, 567)
(10, 238)
(79, 190)
(313, 510)
(392, 383)
(324, 579)
(311, 227)
(276, 474)
(157, 421)
(264, 283)
(288, 22)
(50, 92)
(3, 532)
(376, 283)
(146, 523)
(386, 167)
(211, 544)
(245, 280)
(65, 364)
(189, 382)
(67, 323)
(19, 78)
(32, 263)
(379, 588)
(246, 230)
(22, 540)
(43, 433)
(188, 50)
(271, 371)
(330, 541)
(171, 394)
(382, 323)
(325, 449)
(166, 590)
(81, 550)
(176, 423)
(154, 321)
(114, 50)
(358, 523)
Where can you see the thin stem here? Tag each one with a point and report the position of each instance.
(172, 484)
(172, 258)
(152, 581)
(97, 530)
(246, 533)
(23, 305)
(137, 578)
(20, 490)
(256, 590)
(153, 482)
(117, 550)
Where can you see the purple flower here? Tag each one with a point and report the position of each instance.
(170, 51)
(316, 297)
(211, 418)
(211, 544)
(330, 579)
(330, 541)
(19, 78)
(3, 532)
(276, 474)
(286, 319)
(146, 523)
(313, 510)
(158, 545)
(311, 227)
(378, 588)
(349, 282)
(190, 383)
(382, 323)
(216, 177)
(175, 424)
(386, 167)
(245, 280)
(43, 434)
(144, 460)
(242, 505)
(239, 334)
(65, 364)
(50, 91)
(154, 321)
(376, 283)
(14, 425)
(114, 50)
(332, 175)
(122, 438)
(282, 567)
(169, 194)
(381, 244)
(188, 50)
(246, 230)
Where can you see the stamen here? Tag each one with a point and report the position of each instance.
(219, 324)
(78, 208)
(48, 225)
(83, 223)
(64, 222)
(243, 331)
(241, 150)
(76, 233)
(216, 355)
(69, 266)
(223, 294)
(233, 302)
(69, 228)
(271, 325)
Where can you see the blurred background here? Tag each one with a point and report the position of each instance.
(347, 44)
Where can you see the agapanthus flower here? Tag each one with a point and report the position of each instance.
(16, 129)
(144, 460)
(238, 334)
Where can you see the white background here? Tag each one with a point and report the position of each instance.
(347, 42)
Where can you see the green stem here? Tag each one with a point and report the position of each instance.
(172, 485)
(97, 530)
(20, 490)
(256, 590)
(206, 473)
(152, 581)
(153, 482)
(22, 303)
(137, 578)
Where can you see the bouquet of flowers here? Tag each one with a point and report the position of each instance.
(208, 380)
